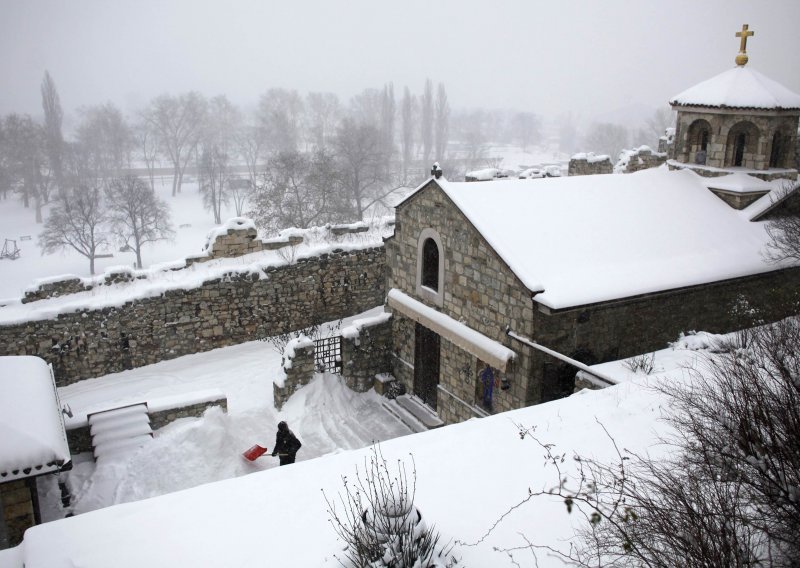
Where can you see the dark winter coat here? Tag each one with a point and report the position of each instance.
(286, 446)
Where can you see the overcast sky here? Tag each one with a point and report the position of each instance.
(546, 56)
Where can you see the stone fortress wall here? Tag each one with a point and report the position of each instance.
(233, 308)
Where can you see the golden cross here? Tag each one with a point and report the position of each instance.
(741, 58)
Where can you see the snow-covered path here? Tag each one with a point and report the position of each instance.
(327, 417)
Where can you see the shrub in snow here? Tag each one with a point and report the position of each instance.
(641, 363)
(727, 491)
(379, 523)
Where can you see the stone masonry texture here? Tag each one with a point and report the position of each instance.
(482, 292)
(223, 311)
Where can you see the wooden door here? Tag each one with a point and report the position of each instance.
(426, 365)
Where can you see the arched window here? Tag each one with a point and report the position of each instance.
(430, 264)
(430, 267)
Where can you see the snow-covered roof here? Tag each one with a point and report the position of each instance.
(585, 239)
(740, 87)
(739, 182)
(32, 436)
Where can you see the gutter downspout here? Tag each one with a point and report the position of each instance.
(575, 363)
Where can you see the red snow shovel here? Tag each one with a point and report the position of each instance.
(254, 452)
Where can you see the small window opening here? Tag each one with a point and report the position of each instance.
(430, 264)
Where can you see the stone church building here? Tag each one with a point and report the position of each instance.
(483, 278)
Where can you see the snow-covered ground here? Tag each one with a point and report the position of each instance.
(467, 475)
(326, 416)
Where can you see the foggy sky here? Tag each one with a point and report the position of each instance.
(547, 57)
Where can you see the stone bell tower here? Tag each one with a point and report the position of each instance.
(737, 122)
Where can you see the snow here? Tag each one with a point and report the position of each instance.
(741, 182)
(591, 157)
(484, 174)
(468, 475)
(487, 349)
(354, 330)
(31, 428)
(740, 87)
(626, 235)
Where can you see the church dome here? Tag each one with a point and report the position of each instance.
(739, 88)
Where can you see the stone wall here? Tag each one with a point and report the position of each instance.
(479, 291)
(160, 418)
(615, 330)
(241, 241)
(641, 158)
(367, 354)
(298, 365)
(228, 310)
(17, 508)
(80, 438)
(589, 165)
(72, 284)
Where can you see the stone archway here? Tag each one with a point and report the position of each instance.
(741, 147)
(698, 138)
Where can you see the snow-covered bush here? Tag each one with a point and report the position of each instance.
(379, 523)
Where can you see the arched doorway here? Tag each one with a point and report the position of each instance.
(742, 145)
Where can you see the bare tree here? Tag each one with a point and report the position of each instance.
(251, 146)
(426, 121)
(323, 112)
(388, 111)
(297, 190)
(146, 137)
(442, 123)
(136, 214)
(218, 143)
(659, 121)
(607, 138)
(526, 128)
(408, 123)
(280, 114)
(726, 491)
(364, 177)
(77, 220)
(53, 117)
(107, 138)
(178, 121)
(25, 159)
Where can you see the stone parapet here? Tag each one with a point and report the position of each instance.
(589, 165)
(228, 310)
(638, 159)
(298, 366)
(367, 353)
(54, 289)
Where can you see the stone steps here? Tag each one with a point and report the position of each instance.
(409, 410)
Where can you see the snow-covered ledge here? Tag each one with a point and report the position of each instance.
(492, 352)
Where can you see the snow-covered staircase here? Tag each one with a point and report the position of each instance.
(413, 413)
(119, 431)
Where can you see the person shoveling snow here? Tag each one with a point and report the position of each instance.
(286, 444)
